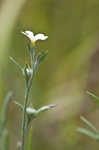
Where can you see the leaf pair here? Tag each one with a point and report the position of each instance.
(35, 112)
(94, 134)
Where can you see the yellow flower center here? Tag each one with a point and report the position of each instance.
(33, 43)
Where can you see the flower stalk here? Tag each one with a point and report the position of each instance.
(27, 91)
(29, 72)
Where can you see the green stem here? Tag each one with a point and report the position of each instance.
(24, 118)
(28, 87)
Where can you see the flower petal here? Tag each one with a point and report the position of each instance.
(29, 34)
(40, 37)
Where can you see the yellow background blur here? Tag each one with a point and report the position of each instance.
(71, 68)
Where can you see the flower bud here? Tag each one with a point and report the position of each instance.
(30, 111)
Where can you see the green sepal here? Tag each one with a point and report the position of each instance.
(40, 57)
(32, 50)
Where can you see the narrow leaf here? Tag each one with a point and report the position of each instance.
(16, 63)
(93, 96)
(19, 105)
(89, 124)
(88, 133)
(45, 108)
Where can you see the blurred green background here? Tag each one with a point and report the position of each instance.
(71, 68)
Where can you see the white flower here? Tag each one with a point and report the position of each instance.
(33, 38)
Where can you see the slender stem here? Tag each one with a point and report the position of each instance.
(28, 87)
(24, 118)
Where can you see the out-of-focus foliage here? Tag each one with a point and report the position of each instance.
(72, 68)
(4, 135)
(94, 134)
